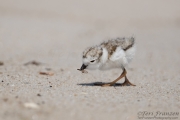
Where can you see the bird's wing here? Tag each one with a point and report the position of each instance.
(118, 54)
(119, 57)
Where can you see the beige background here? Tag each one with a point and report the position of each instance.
(56, 32)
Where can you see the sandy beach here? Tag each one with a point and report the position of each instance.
(54, 34)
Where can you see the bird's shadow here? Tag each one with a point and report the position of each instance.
(98, 84)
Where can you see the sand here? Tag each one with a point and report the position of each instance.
(55, 33)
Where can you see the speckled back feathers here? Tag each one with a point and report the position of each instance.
(124, 43)
(110, 45)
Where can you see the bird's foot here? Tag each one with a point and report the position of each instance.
(127, 83)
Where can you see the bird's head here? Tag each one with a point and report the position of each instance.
(91, 58)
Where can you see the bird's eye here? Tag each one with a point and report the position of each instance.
(92, 61)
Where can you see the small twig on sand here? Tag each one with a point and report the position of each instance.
(47, 73)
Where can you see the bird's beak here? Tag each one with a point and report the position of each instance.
(83, 67)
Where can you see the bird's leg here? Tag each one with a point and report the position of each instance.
(127, 83)
(113, 82)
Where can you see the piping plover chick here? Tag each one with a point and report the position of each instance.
(114, 53)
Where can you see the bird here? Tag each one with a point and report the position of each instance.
(110, 54)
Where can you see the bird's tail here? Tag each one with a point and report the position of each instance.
(129, 42)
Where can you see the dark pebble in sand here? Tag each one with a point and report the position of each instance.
(1, 63)
(5, 99)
